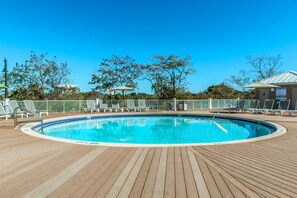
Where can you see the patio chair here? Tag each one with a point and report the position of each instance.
(31, 107)
(283, 106)
(232, 106)
(3, 113)
(131, 105)
(91, 106)
(251, 106)
(142, 105)
(267, 106)
(246, 105)
(104, 107)
(240, 105)
(13, 104)
(116, 107)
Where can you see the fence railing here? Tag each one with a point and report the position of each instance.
(66, 106)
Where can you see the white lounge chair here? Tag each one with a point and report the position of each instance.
(104, 107)
(232, 106)
(142, 105)
(3, 113)
(116, 107)
(31, 107)
(13, 104)
(267, 106)
(283, 106)
(91, 106)
(131, 105)
(251, 106)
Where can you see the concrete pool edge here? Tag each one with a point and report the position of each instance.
(27, 129)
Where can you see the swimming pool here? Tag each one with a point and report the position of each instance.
(154, 129)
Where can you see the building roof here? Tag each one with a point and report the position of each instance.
(260, 85)
(286, 78)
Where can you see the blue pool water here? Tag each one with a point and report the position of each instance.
(156, 130)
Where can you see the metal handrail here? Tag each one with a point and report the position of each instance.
(16, 122)
(228, 105)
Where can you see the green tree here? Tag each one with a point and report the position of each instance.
(37, 77)
(116, 71)
(168, 75)
(221, 91)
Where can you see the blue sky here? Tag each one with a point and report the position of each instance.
(218, 35)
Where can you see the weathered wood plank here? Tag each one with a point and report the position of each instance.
(160, 179)
(27, 181)
(118, 184)
(149, 185)
(126, 189)
(210, 183)
(222, 186)
(170, 177)
(199, 179)
(53, 183)
(180, 184)
(140, 181)
(189, 177)
(82, 179)
(104, 181)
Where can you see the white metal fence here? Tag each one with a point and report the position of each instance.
(64, 106)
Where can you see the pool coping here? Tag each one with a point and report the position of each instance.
(27, 129)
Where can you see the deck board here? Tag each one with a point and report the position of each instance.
(104, 189)
(140, 181)
(149, 185)
(180, 184)
(235, 191)
(210, 183)
(31, 166)
(104, 177)
(126, 189)
(27, 181)
(81, 180)
(222, 186)
(188, 174)
(170, 176)
(264, 170)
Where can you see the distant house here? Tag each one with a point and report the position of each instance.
(65, 89)
(287, 88)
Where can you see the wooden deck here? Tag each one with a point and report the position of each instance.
(32, 167)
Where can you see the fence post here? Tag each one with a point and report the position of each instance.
(47, 105)
(210, 103)
(79, 106)
(193, 108)
(174, 104)
(63, 106)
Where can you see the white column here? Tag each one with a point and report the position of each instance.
(174, 104)
(6, 104)
(210, 103)
(97, 101)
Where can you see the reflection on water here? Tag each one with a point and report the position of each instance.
(156, 130)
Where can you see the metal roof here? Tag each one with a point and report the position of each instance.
(260, 85)
(286, 78)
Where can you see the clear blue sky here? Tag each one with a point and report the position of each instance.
(218, 35)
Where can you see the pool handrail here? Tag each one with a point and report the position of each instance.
(16, 122)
